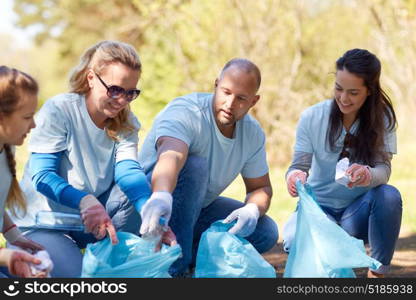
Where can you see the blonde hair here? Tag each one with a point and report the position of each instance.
(97, 58)
(14, 84)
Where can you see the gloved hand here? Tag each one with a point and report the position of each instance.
(18, 262)
(15, 237)
(247, 217)
(96, 220)
(291, 179)
(159, 205)
(359, 175)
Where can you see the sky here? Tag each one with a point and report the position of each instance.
(7, 26)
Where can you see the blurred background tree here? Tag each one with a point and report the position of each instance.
(183, 45)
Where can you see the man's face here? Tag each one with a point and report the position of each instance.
(235, 94)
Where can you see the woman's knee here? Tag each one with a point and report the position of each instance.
(389, 196)
(122, 213)
(64, 252)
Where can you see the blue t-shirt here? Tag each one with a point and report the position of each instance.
(311, 138)
(190, 119)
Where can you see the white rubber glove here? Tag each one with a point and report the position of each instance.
(96, 220)
(247, 217)
(159, 205)
(291, 179)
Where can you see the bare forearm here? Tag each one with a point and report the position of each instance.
(166, 171)
(261, 197)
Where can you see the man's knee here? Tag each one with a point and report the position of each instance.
(195, 168)
(266, 234)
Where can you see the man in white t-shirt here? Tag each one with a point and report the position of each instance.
(197, 146)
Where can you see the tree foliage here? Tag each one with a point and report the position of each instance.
(184, 44)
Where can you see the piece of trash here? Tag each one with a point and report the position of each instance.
(340, 169)
(46, 264)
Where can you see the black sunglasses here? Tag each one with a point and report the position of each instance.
(115, 91)
(348, 143)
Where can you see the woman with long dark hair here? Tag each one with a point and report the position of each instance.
(358, 123)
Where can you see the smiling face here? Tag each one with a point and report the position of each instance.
(14, 127)
(235, 94)
(350, 93)
(99, 105)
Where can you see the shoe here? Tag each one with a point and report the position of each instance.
(188, 273)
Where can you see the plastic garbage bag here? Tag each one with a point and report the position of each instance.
(321, 248)
(132, 257)
(222, 254)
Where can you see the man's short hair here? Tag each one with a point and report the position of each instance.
(244, 65)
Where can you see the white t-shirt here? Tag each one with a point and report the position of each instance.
(190, 119)
(5, 182)
(64, 124)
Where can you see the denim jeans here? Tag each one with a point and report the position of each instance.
(64, 246)
(189, 219)
(374, 217)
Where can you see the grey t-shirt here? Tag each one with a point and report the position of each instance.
(190, 119)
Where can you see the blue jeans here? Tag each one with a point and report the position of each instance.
(374, 217)
(64, 246)
(189, 219)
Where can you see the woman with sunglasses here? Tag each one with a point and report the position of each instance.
(358, 123)
(84, 155)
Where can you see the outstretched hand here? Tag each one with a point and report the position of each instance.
(158, 206)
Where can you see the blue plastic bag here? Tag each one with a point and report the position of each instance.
(132, 257)
(321, 248)
(225, 255)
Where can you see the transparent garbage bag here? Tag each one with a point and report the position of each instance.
(222, 254)
(132, 257)
(321, 248)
